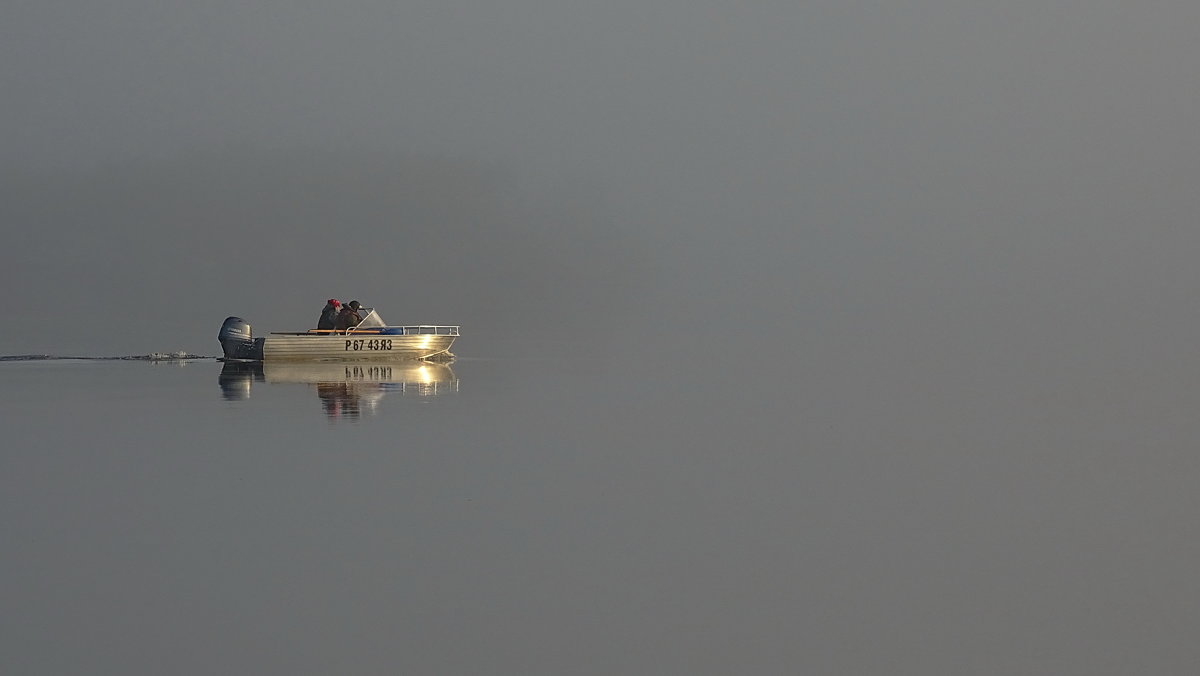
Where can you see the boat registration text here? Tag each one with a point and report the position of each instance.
(372, 344)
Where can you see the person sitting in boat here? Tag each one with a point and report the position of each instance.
(329, 315)
(348, 317)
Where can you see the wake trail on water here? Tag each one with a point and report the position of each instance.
(153, 356)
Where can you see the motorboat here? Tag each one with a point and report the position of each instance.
(372, 340)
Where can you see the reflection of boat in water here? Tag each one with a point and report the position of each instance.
(371, 340)
(345, 389)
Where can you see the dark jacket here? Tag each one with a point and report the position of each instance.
(346, 318)
(328, 317)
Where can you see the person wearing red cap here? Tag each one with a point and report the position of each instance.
(329, 314)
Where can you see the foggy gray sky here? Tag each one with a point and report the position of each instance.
(955, 169)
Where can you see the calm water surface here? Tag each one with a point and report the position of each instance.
(680, 515)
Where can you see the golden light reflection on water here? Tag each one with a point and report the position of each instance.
(346, 390)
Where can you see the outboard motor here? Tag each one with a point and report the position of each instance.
(236, 341)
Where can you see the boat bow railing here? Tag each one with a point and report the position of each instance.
(414, 330)
(426, 329)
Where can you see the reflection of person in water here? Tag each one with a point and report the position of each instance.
(339, 400)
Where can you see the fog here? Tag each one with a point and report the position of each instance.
(943, 225)
(990, 166)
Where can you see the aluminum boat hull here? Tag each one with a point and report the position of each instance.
(355, 347)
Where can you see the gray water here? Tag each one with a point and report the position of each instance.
(683, 514)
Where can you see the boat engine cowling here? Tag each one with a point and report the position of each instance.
(237, 341)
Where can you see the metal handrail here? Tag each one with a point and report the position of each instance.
(429, 330)
(412, 330)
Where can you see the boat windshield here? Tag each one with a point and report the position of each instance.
(371, 319)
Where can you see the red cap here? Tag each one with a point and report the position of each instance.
(334, 301)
